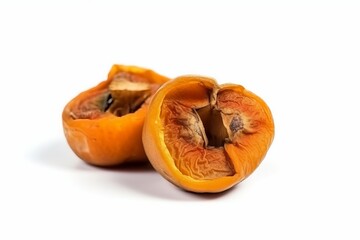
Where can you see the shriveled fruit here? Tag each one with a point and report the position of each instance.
(103, 125)
(204, 137)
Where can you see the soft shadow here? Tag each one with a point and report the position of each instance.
(138, 177)
(210, 196)
(153, 184)
(129, 167)
(56, 154)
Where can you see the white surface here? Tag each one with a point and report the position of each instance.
(302, 58)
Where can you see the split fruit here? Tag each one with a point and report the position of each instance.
(205, 137)
(103, 125)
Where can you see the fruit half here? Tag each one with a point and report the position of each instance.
(205, 137)
(103, 125)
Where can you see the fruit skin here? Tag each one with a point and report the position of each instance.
(245, 156)
(108, 140)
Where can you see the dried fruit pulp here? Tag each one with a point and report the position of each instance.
(204, 137)
(103, 125)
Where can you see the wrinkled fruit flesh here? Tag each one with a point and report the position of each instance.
(122, 96)
(204, 137)
(103, 125)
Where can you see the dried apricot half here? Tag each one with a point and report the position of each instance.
(103, 125)
(205, 137)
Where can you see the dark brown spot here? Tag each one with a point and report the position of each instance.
(236, 124)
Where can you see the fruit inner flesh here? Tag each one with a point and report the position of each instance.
(195, 137)
(125, 94)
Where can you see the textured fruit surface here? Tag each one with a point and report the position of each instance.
(205, 137)
(103, 125)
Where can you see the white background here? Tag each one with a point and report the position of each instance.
(302, 57)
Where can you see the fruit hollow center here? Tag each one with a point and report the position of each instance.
(214, 132)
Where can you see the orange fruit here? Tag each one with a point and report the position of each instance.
(103, 125)
(205, 137)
